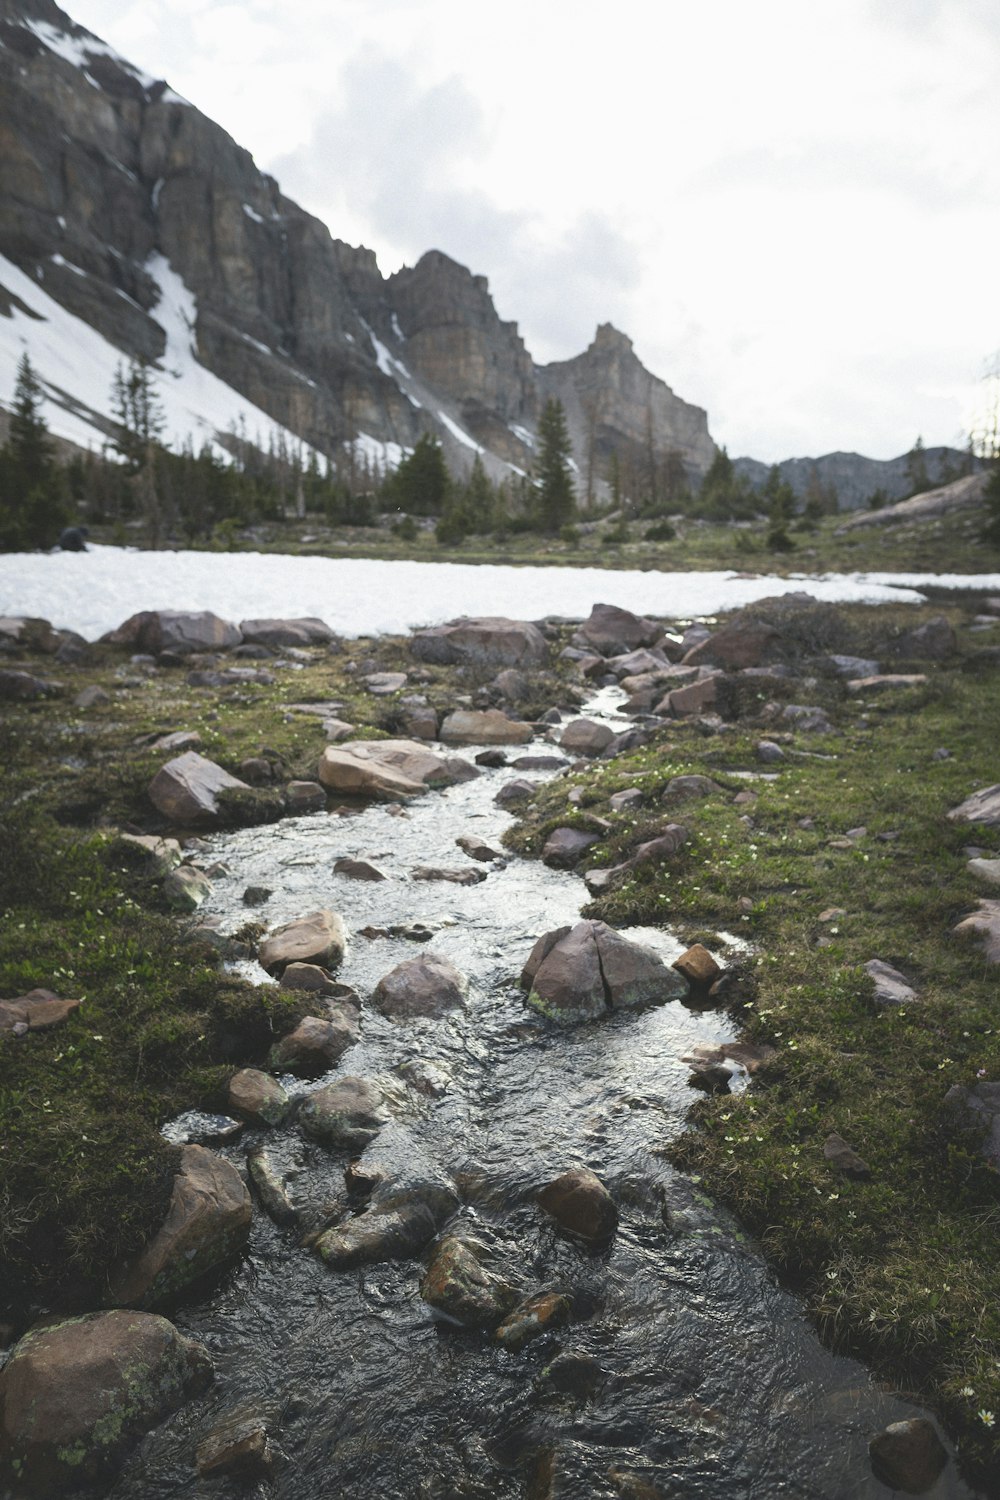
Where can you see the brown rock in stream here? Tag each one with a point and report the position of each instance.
(581, 1204)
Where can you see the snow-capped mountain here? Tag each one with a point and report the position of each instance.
(133, 226)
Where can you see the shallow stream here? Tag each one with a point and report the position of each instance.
(711, 1383)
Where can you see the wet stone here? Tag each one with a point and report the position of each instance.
(316, 1044)
(908, 1456)
(533, 1318)
(348, 1113)
(428, 986)
(581, 1204)
(257, 1097)
(459, 1285)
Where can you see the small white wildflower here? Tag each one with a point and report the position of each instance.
(967, 1391)
(987, 1418)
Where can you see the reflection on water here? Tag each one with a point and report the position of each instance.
(704, 1379)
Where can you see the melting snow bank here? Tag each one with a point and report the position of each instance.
(94, 591)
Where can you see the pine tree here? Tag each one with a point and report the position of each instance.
(556, 500)
(33, 508)
(916, 469)
(420, 484)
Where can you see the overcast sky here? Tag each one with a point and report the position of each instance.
(792, 208)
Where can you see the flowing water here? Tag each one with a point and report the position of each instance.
(707, 1379)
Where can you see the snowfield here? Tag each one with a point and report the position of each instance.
(92, 592)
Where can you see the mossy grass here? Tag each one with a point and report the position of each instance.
(901, 1269)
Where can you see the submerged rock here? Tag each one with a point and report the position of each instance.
(76, 1396)
(240, 1446)
(395, 1227)
(532, 1318)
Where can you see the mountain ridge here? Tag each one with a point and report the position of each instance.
(134, 214)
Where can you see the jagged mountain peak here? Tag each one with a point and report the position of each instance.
(134, 226)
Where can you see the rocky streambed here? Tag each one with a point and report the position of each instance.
(467, 1267)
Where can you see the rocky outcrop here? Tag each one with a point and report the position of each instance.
(615, 406)
(75, 1396)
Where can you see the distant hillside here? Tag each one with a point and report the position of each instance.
(856, 478)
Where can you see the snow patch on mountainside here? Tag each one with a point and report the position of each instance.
(77, 367)
(79, 50)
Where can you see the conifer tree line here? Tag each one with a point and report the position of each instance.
(188, 497)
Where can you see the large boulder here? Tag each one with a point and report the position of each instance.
(486, 641)
(422, 986)
(186, 789)
(935, 640)
(307, 631)
(472, 726)
(178, 631)
(586, 737)
(317, 938)
(207, 1224)
(611, 631)
(75, 1396)
(390, 770)
(579, 973)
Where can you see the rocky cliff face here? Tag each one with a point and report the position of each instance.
(109, 180)
(618, 412)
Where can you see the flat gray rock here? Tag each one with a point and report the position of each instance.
(891, 987)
